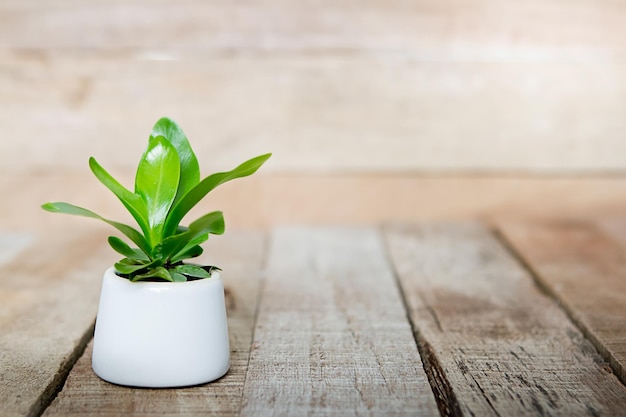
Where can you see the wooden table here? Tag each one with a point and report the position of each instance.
(406, 319)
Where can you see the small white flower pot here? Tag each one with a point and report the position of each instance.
(161, 334)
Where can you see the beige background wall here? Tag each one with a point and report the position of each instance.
(328, 86)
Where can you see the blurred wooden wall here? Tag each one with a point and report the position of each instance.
(328, 86)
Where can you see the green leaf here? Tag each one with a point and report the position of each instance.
(186, 253)
(192, 271)
(156, 182)
(197, 233)
(131, 201)
(193, 197)
(189, 168)
(178, 277)
(129, 267)
(122, 248)
(191, 249)
(128, 261)
(128, 231)
(158, 272)
(209, 223)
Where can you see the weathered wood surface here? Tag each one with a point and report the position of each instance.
(586, 272)
(496, 344)
(12, 244)
(332, 337)
(261, 201)
(240, 254)
(318, 113)
(614, 227)
(413, 320)
(376, 85)
(285, 25)
(48, 300)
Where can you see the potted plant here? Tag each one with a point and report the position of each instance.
(162, 321)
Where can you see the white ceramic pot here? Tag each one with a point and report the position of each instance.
(161, 334)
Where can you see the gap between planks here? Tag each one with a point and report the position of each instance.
(332, 337)
(241, 255)
(335, 331)
(53, 389)
(431, 321)
(48, 298)
(584, 270)
(505, 348)
(447, 403)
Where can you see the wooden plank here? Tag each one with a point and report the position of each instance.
(11, 244)
(283, 24)
(261, 201)
(496, 344)
(317, 113)
(615, 227)
(332, 336)
(476, 85)
(586, 272)
(48, 298)
(240, 255)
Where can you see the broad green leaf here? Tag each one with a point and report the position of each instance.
(128, 261)
(127, 268)
(192, 252)
(128, 231)
(131, 201)
(193, 197)
(192, 271)
(191, 249)
(178, 277)
(198, 240)
(122, 248)
(156, 182)
(189, 168)
(158, 272)
(170, 246)
(209, 223)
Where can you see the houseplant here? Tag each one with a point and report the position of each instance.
(161, 321)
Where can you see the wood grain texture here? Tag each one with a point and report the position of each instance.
(350, 86)
(614, 227)
(263, 201)
(240, 255)
(332, 336)
(11, 244)
(586, 272)
(48, 299)
(504, 347)
(283, 24)
(318, 113)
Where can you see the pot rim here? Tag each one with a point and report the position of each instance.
(110, 273)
